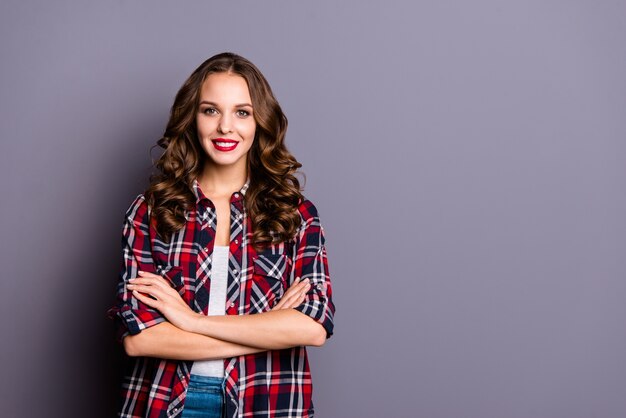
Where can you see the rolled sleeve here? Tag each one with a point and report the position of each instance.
(131, 315)
(311, 263)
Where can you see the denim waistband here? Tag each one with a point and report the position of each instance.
(199, 381)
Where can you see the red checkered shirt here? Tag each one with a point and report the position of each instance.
(275, 383)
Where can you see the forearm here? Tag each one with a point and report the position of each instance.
(273, 330)
(164, 340)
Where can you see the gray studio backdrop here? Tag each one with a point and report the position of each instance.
(467, 160)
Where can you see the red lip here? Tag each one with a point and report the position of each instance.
(232, 146)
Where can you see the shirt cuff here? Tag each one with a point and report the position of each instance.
(320, 310)
(133, 321)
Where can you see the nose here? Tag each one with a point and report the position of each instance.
(225, 125)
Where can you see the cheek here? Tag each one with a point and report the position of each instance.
(251, 133)
(203, 128)
(251, 129)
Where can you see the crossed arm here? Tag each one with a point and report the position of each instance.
(169, 328)
(188, 335)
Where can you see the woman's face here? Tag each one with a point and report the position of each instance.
(225, 122)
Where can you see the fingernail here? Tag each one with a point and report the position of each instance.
(131, 280)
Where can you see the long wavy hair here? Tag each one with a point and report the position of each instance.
(274, 192)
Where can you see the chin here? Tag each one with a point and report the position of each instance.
(225, 161)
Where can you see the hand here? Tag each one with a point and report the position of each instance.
(294, 296)
(167, 300)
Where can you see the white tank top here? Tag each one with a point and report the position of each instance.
(217, 306)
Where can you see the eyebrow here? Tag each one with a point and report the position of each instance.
(215, 104)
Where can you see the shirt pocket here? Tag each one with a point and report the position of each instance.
(269, 280)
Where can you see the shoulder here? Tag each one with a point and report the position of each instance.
(138, 209)
(310, 225)
(307, 210)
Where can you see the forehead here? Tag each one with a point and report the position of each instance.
(225, 88)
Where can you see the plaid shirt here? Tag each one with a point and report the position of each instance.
(275, 383)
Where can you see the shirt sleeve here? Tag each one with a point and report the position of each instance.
(131, 315)
(311, 263)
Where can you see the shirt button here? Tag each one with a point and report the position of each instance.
(236, 241)
(232, 304)
(236, 194)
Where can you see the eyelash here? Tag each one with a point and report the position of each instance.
(206, 111)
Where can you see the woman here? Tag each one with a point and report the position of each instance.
(225, 277)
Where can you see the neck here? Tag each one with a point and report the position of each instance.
(217, 180)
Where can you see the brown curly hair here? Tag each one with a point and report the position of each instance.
(274, 192)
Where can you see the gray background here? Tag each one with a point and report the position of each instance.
(467, 160)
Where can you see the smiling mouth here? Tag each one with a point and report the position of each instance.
(222, 144)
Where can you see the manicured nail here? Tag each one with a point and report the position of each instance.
(141, 272)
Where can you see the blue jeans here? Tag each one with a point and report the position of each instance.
(205, 397)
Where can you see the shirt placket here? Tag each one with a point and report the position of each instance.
(237, 261)
(204, 219)
(205, 240)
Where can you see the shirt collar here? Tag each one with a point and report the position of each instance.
(200, 196)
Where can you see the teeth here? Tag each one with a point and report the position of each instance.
(226, 144)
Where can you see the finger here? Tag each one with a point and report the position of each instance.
(286, 300)
(305, 291)
(146, 299)
(306, 287)
(295, 282)
(143, 280)
(279, 305)
(302, 296)
(156, 277)
(151, 276)
(147, 274)
(299, 297)
(296, 286)
(292, 293)
(156, 281)
(295, 298)
(148, 290)
(162, 290)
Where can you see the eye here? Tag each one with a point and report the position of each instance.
(209, 111)
(243, 113)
